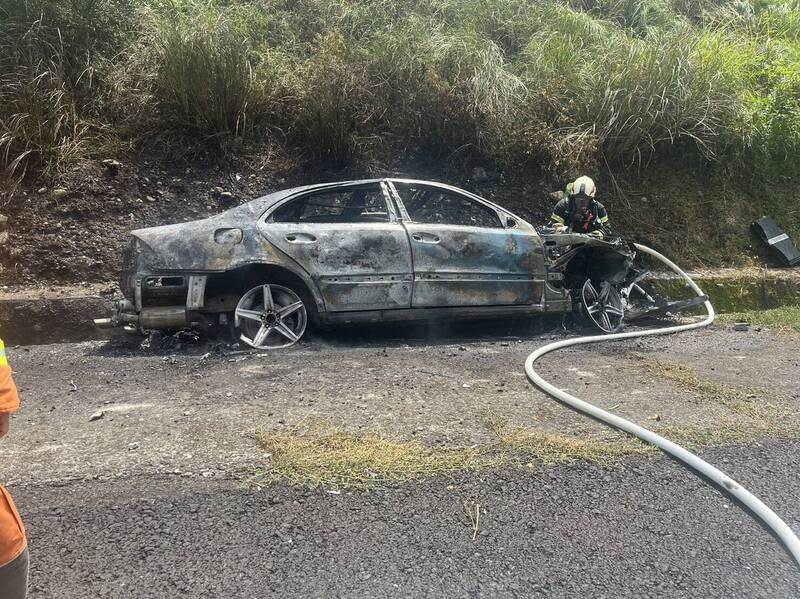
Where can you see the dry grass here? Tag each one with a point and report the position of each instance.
(323, 455)
(521, 444)
(749, 402)
(731, 432)
(330, 457)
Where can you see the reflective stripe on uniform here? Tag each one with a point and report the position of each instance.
(555, 217)
(3, 360)
(604, 219)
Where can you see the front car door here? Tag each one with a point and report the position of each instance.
(350, 242)
(466, 252)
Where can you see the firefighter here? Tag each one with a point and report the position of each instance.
(579, 212)
(13, 543)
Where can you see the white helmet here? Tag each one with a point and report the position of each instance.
(582, 186)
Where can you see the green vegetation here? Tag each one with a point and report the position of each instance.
(738, 290)
(529, 86)
(785, 318)
(513, 80)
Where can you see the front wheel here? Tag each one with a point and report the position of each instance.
(602, 306)
(270, 317)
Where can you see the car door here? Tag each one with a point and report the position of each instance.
(350, 242)
(465, 252)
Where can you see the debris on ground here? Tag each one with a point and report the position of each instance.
(158, 340)
(97, 416)
(112, 167)
(778, 241)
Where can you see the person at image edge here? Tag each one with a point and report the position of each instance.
(13, 543)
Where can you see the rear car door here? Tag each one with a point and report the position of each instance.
(465, 252)
(350, 242)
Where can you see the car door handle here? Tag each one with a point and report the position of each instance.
(300, 238)
(425, 238)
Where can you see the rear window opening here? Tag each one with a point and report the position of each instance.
(361, 205)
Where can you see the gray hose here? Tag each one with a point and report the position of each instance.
(777, 526)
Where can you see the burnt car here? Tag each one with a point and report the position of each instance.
(364, 251)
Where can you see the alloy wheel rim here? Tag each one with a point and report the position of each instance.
(603, 307)
(270, 317)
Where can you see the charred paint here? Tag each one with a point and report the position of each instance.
(363, 266)
(473, 266)
(374, 256)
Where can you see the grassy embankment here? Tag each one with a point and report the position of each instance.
(707, 90)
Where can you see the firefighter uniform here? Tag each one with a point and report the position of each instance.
(13, 543)
(595, 218)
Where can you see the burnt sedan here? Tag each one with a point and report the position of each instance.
(363, 251)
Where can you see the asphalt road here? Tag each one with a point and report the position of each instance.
(646, 529)
(195, 410)
(149, 500)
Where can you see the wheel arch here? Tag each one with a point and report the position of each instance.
(242, 278)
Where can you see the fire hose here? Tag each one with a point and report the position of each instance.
(757, 508)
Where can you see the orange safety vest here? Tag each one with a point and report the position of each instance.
(12, 532)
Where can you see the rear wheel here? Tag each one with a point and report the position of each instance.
(270, 317)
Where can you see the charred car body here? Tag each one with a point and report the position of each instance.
(364, 251)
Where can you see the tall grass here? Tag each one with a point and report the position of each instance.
(54, 60)
(40, 124)
(332, 96)
(205, 77)
(552, 84)
(660, 92)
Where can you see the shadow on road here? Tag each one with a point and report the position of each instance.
(441, 332)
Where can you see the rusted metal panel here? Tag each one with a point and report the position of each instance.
(467, 251)
(357, 264)
(364, 266)
(192, 248)
(409, 314)
(195, 297)
(472, 266)
(138, 293)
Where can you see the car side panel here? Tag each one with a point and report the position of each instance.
(359, 266)
(472, 266)
(191, 248)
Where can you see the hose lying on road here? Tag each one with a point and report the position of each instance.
(777, 526)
